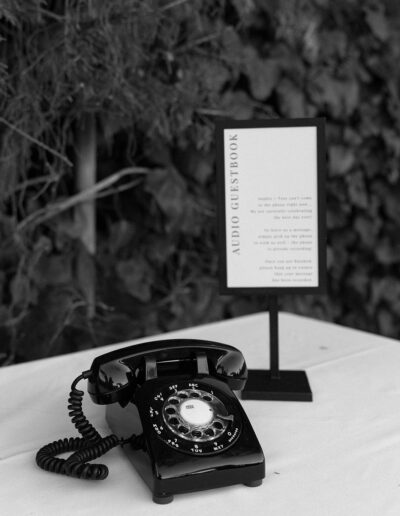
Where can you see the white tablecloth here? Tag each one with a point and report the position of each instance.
(339, 455)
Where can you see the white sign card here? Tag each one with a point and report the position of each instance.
(271, 220)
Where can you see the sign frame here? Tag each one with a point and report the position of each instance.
(220, 126)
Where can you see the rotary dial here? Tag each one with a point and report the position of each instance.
(195, 419)
(196, 415)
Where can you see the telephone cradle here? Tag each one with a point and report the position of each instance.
(174, 398)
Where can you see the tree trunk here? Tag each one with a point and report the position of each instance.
(86, 211)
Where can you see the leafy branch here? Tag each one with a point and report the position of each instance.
(50, 211)
(35, 141)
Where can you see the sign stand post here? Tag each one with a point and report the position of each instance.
(274, 384)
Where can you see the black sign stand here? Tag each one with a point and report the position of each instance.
(234, 171)
(274, 384)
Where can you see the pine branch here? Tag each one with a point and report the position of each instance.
(172, 4)
(35, 141)
(40, 216)
(33, 182)
(196, 42)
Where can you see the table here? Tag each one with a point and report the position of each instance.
(339, 455)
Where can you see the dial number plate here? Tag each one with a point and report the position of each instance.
(193, 418)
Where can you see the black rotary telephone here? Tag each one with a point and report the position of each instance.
(184, 428)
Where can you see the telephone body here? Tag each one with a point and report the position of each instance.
(178, 395)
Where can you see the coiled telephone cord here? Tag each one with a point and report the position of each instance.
(86, 448)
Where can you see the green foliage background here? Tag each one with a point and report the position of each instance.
(156, 74)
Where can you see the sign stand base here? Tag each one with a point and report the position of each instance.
(273, 384)
(290, 386)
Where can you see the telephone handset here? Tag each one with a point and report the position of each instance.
(184, 428)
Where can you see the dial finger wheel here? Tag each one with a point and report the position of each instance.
(195, 415)
(194, 418)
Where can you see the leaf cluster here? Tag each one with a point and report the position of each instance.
(156, 74)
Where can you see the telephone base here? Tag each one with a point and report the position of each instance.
(169, 470)
(163, 499)
(255, 483)
(288, 386)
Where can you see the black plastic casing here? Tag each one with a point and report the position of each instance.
(116, 375)
(167, 471)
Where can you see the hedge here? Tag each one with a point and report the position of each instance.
(155, 75)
